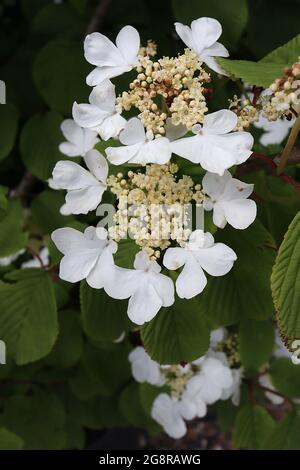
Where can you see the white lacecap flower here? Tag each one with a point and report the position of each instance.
(207, 386)
(174, 132)
(147, 289)
(36, 262)
(200, 254)
(274, 131)
(202, 38)
(227, 196)
(84, 188)
(139, 146)
(111, 60)
(100, 114)
(216, 336)
(79, 140)
(144, 369)
(214, 146)
(87, 255)
(171, 413)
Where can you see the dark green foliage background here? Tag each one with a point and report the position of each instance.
(64, 374)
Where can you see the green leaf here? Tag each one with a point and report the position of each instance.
(8, 128)
(45, 211)
(68, 347)
(127, 249)
(75, 435)
(241, 294)
(59, 73)
(285, 435)
(109, 368)
(38, 419)
(10, 440)
(133, 411)
(232, 14)
(40, 139)
(178, 333)
(148, 393)
(12, 239)
(57, 20)
(103, 318)
(286, 54)
(254, 73)
(28, 318)
(252, 425)
(226, 413)
(83, 385)
(285, 377)
(256, 342)
(285, 282)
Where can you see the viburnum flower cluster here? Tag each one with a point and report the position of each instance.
(188, 389)
(144, 169)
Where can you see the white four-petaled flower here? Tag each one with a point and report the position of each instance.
(200, 254)
(144, 369)
(171, 413)
(111, 60)
(101, 113)
(227, 197)
(202, 38)
(85, 188)
(139, 146)
(87, 255)
(214, 146)
(147, 289)
(79, 140)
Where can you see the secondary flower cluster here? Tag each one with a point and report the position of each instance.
(143, 148)
(189, 388)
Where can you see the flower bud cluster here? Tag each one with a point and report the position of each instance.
(172, 79)
(151, 206)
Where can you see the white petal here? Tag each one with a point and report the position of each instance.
(128, 43)
(187, 409)
(102, 73)
(71, 240)
(216, 50)
(213, 65)
(104, 96)
(239, 213)
(76, 266)
(98, 276)
(219, 218)
(120, 155)
(142, 261)
(87, 115)
(156, 151)
(192, 280)
(100, 51)
(70, 175)
(216, 155)
(97, 165)
(187, 147)
(123, 282)
(165, 413)
(220, 122)
(174, 258)
(144, 304)
(216, 260)
(205, 31)
(240, 143)
(133, 132)
(185, 33)
(72, 132)
(82, 201)
(236, 189)
(111, 126)
(165, 289)
(214, 185)
(69, 149)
